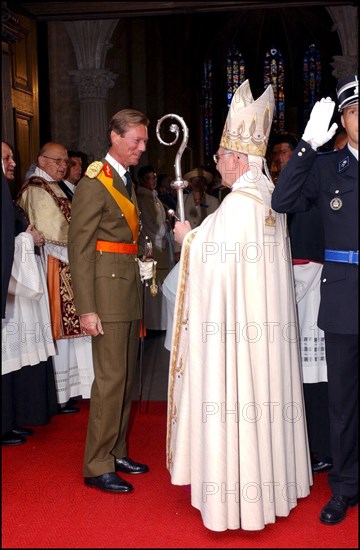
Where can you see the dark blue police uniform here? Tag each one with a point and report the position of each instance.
(330, 180)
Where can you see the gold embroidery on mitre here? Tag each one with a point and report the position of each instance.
(94, 169)
(247, 126)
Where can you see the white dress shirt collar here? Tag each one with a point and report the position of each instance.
(116, 165)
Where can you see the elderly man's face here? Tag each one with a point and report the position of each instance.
(8, 162)
(54, 161)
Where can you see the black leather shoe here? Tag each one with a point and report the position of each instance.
(321, 466)
(109, 482)
(9, 438)
(66, 409)
(335, 510)
(128, 466)
(20, 430)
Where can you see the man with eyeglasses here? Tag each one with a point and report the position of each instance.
(236, 429)
(49, 209)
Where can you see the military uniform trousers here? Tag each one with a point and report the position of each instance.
(115, 360)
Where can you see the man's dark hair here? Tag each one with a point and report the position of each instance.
(284, 137)
(145, 170)
(78, 154)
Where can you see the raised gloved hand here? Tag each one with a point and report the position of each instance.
(317, 131)
(146, 269)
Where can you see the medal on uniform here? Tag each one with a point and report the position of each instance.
(336, 203)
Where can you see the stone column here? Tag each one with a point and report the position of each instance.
(91, 43)
(93, 86)
(346, 25)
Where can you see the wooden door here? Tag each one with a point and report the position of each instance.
(20, 126)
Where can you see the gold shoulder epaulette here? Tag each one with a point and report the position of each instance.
(94, 169)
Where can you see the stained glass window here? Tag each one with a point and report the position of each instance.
(274, 74)
(235, 72)
(207, 108)
(312, 79)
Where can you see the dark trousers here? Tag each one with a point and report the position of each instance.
(28, 396)
(317, 419)
(342, 366)
(115, 361)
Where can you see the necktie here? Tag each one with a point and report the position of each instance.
(66, 190)
(128, 183)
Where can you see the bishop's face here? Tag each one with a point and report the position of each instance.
(227, 165)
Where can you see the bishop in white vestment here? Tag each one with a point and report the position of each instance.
(236, 430)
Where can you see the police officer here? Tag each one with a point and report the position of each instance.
(331, 181)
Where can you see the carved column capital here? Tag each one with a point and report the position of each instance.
(93, 83)
(345, 24)
(344, 65)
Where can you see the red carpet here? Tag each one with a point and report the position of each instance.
(46, 505)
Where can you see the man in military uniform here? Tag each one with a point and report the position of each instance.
(331, 181)
(103, 256)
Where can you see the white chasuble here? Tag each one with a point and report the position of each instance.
(236, 428)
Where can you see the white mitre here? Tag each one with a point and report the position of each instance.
(248, 124)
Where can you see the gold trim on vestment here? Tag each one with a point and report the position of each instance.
(47, 208)
(177, 367)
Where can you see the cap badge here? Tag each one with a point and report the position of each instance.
(343, 164)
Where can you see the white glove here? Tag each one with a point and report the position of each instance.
(146, 269)
(317, 131)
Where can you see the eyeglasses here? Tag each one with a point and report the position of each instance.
(217, 156)
(59, 161)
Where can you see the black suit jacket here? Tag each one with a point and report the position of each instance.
(311, 177)
(7, 240)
